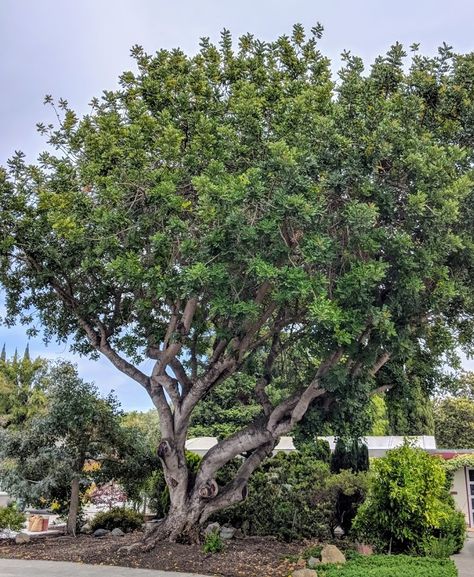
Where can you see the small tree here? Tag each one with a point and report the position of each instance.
(22, 388)
(47, 459)
(407, 501)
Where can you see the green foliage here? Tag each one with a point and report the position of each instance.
(452, 465)
(213, 542)
(412, 380)
(23, 384)
(347, 491)
(350, 453)
(330, 217)
(126, 519)
(228, 407)
(452, 528)
(391, 566)
(318, 449)
(287, 498)
(454, 423)
(438, 547)
(11, 518)
(39, 462)
(407, 502)
(379, 416)
(147, 423)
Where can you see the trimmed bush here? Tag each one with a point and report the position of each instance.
(287, 498)
(390, 566)
(11, 518)
(125, 519)
(408, 503)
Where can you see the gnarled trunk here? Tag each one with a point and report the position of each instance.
(182, 524)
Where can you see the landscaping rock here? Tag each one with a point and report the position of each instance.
(304, 573)
(86, 529)
(101, 532)
(331, 554)
(212, 528)
(228, 532)
(8, 534)
(312, 562)
(22, 538)
(117, 532)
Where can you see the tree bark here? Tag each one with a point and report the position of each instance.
(73, 507)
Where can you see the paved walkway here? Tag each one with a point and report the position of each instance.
(22, 568)
(465, 560)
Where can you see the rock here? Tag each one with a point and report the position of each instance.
(228, 532)
(22, 538)
(312, 562)
(117, 532)
(304, 573)
(301, 563)
(8, 534)
(149, 527)
(331, 554)
(338, 532)
(101, 532)
(86, 529)
(212, 528)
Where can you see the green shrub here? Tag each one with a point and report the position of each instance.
(347, 491)
(407, 503)
(452, 526)
(390, 566)
(125, 519)
(438, 547)
(287, 498)
(11, 518)
(213, 542)
(318, 449)
(351, 454)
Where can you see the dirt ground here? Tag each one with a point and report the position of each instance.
(249, 557)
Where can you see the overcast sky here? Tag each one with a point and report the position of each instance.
(76, 48)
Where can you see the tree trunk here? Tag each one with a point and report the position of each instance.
(182, 524)
(73, 507)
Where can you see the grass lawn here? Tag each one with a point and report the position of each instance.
(390, 566)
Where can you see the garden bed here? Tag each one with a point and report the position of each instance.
(250, 557)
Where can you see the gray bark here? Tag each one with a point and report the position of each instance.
(73, 507)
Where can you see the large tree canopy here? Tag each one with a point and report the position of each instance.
(239, 202)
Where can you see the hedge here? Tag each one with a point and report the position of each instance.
(391, 566)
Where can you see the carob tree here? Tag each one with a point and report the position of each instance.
(241, 201)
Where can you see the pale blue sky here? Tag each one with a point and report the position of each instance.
(77, 48)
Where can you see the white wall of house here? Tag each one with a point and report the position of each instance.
(4, 499)
(459, 493)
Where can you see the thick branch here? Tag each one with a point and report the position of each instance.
(236, 490)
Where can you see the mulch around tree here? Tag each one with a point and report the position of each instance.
(247, 557)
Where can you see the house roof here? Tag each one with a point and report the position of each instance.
(377, 445)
